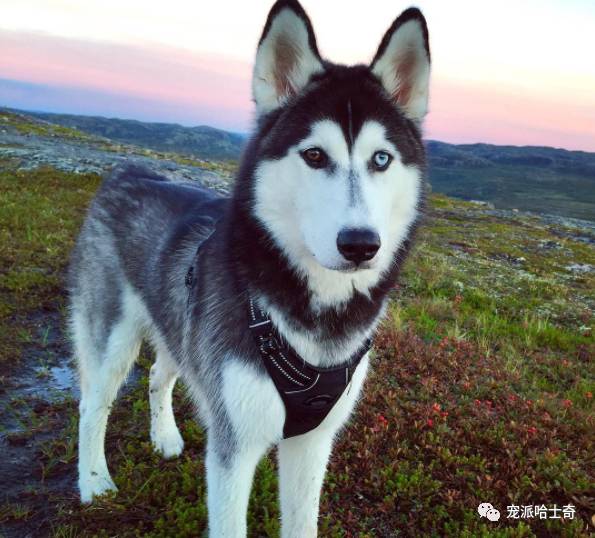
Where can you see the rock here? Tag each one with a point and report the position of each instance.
(513, 260)
(98, 157)
(488, 205)
(580, 268)
(549, 245)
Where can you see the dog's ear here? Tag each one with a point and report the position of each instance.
(402, 63)
(286, 58)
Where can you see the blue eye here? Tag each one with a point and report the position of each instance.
(381, 160)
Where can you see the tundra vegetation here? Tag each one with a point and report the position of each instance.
(481, 387)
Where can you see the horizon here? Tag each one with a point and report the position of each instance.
(143, 62)
(246, 134)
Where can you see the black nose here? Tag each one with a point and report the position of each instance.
(358, 244)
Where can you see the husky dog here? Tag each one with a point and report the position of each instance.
(278, 286)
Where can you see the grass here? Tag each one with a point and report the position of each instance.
(40, 213)
(480, 390)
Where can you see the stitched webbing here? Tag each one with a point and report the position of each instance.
(308, 392)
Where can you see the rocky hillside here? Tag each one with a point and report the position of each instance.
(31, 142)
(202, 141)
(538, 179)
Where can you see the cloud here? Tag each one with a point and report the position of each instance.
(474, 112)
(149, 82)
(72, 100)
(164, 83)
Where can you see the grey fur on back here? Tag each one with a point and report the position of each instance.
(142, 232)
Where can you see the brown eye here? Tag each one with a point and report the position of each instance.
(315, 157)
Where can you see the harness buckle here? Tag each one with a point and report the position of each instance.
(262, 328)
(270, 343)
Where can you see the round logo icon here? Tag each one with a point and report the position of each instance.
(483, 508)
(487, 510)
(493, 515)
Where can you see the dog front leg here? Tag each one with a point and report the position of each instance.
(302, 466)
(229, 481)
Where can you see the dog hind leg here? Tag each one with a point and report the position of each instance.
(101, 377)
(165, 435)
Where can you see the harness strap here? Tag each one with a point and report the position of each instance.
(308, 392)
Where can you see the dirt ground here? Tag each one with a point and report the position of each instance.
(39, 400)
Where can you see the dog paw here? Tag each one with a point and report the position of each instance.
(169, 445)
(94, 486)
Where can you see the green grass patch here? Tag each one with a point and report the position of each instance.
(40, 213)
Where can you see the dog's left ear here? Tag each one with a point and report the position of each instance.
(286, 58)
(402, 63)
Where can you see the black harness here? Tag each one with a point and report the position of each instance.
(308, 392)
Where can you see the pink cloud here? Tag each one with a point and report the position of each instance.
(151, 82)
(476, 113)
(156, 74)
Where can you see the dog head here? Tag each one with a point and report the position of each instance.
(339, 167)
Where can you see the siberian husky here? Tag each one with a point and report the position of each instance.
(264, 302)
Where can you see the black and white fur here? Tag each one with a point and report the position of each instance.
(276, 240)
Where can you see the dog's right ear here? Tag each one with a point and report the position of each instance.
(286, 58)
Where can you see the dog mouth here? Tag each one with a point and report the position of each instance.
(351, 267)
(345, 266)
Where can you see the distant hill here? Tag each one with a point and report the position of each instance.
(529, 178)
(202, 141)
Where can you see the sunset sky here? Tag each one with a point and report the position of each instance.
(507, 72)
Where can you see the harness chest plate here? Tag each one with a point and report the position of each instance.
(308, 392)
